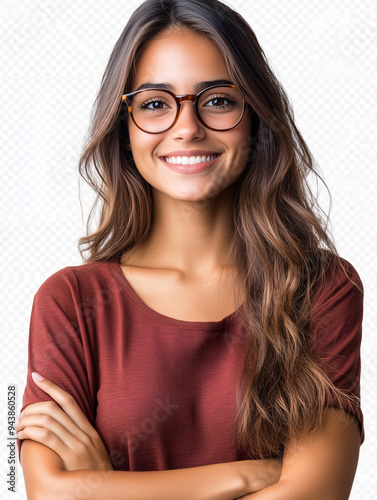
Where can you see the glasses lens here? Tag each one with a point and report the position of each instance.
(154, 110)
(220, 108)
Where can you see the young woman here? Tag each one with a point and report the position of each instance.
(209, 346)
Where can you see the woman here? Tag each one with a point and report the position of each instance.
(209, 347)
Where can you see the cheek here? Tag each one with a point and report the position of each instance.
(245, 133)
(143, 148)
(141, 143)
(245, 142)
(245, 145)
(241, 151)
(242, 141)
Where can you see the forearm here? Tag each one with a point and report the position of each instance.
(277, 491)
(322, 466)
(293, 490)
(210, 482)
(47, 477)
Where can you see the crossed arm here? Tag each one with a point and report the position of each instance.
(321, 467)
(64, 458)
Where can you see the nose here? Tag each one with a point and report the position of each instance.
(187, 126)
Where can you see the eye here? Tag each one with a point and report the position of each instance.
(220, 102)
(153, 104)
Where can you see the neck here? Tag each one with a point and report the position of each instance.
(190, 236)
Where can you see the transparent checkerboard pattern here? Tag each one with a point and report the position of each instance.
(53, 55)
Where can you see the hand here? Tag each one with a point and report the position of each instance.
(259, 474)
(65, 430)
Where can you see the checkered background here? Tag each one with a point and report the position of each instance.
(53, 54)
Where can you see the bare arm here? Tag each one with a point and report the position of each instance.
(45, 478)
(63, 457)
(321, 467)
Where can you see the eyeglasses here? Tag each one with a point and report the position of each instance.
(155, 111)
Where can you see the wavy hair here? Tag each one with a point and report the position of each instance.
(281, 247)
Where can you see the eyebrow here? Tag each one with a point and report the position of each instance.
(167, 86)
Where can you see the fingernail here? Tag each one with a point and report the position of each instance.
(37, 377)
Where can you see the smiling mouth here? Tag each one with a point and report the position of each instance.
(189, 160)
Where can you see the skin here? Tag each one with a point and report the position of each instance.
(189, 236)
(192, 227)
(68, 432)
(191, 232)
(62, 441)
(321, 466)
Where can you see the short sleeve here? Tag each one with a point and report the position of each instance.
(336, 328)
(58, 346)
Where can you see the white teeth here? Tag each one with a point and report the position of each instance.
(186, 160)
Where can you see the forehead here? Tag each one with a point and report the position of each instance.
(180, 58)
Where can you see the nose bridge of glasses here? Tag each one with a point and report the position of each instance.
(187, 97)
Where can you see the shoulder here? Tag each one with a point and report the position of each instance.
(76, 291)
(71, 278)
(337, 312)
(336, 331)
(61, 278)
(337, 308)
(341, 285)
(340, 271)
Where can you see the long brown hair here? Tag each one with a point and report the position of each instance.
(281, 247)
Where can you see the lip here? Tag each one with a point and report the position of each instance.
(191, 169)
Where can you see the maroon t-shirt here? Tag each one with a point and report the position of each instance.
(160, 391)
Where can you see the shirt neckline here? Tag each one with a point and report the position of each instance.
(118, 275)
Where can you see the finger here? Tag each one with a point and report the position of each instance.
(45, 437)
(49, 409)
(67, 402)
(49, 424)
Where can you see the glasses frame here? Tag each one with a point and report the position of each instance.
(179, 99)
